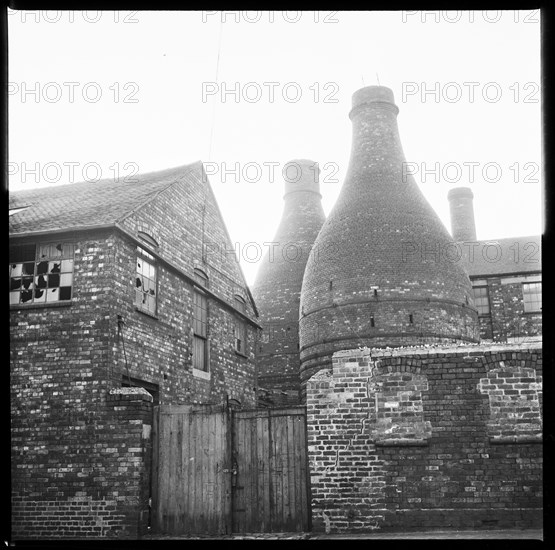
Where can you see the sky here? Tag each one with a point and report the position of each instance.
(102, 94)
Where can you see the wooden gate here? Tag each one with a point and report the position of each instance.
(219, 471)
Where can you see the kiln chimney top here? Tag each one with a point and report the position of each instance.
(374, 96)
(301, 175)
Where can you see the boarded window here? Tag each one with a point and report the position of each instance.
(41, 273)
(532, 295)
(240, 330)
(481, 299)
(145, 281)
(200, 361)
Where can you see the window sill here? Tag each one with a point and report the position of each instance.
(61, 303)
(241, 354)
(201, 374)
(145, 312)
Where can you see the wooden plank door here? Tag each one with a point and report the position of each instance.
(270, 492)
(191, 470)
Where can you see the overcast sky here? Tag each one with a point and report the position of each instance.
(109, 94)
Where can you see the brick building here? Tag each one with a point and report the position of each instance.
(505, 275)
(115, 284)
(277, 287)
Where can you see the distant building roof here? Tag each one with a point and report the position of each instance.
(494, 257)
(86, 204)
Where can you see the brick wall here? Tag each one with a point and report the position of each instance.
(94, 482)
(159, 349)
(428, 438)
(508, 321)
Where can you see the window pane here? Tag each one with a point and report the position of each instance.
(14, 297)
(40, 295)
(29, 269)
(54, 267)
(53, 295)
(27, 282)
(40, 281)
(67, 266)
(66, 279)
(15, 284)
(65, 293)
(53, 280)
(15, 270)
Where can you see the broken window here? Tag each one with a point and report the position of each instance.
(200, 330)
(145, 281)
(240, 326)
(41, 273)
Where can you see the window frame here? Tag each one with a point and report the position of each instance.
(145, 256)
(486, 296)
(41, 277)
(199, 331)
(527, 303)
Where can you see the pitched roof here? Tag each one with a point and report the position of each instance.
(502, 256)
(86, 204)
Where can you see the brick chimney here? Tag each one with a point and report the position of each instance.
(381, 272)
(463, 227)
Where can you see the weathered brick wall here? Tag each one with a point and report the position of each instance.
(158, 349)
(60, 358)
(90, 475)
(508, 320)
(427, 438)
